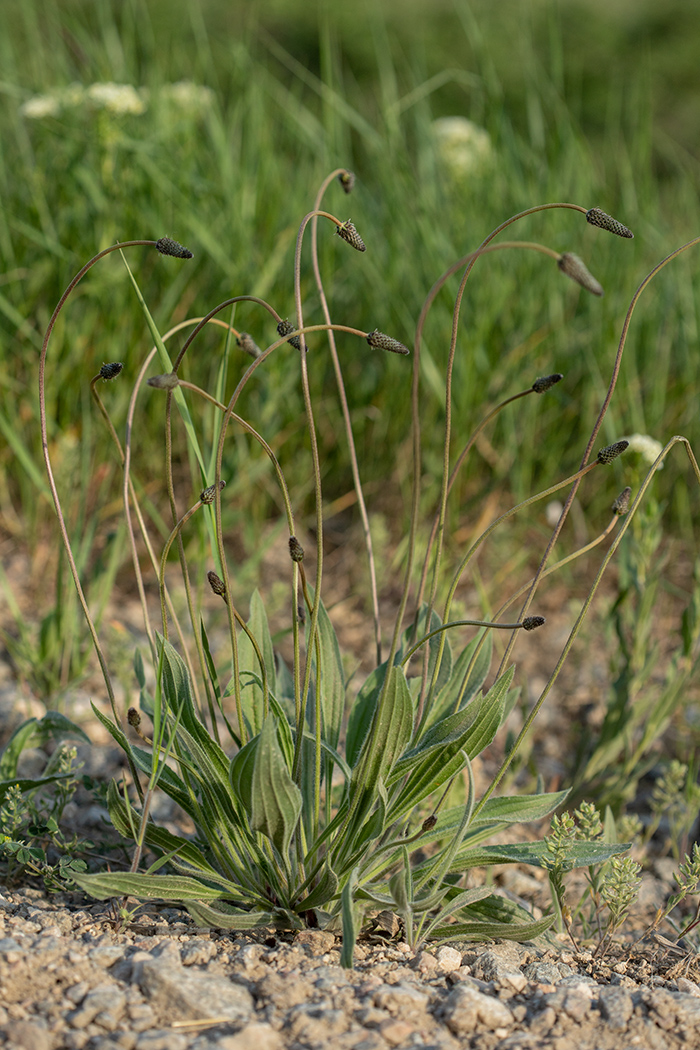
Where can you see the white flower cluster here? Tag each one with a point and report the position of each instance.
(119, 99)
(647, 447)
(463, 148)
(187, 96)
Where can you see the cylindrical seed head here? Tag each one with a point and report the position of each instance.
(429, 823)
(209, 494)
(380, 341)
(217, 585)
(531, 623)
(575, 268)
(133, 717)
(167, 246)
(111, 370)
(246, 342)
(347, 180)
(347, 231)
(296, 550)
(611, 452)
(597, 217)
(622, 503)
(284, 328)
(168, 381)
(547, 382)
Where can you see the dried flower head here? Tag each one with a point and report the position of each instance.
(531, 623)
(246, 342)
(347, 180)
(284, 328)
(622, 503)
(296, 550)
(596, 217)
(611, 452)
(380, 341)
(547, 382)
(575, 268)
(111, 370)
(168, 381)
(208, 495)
(133, 717)
(429, 823)
(347, 231)
(167, 246)
(217, 585)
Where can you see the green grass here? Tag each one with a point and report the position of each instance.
(290, 100)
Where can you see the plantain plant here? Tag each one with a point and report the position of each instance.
(314, 802)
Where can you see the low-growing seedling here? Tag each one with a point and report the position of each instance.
(313, 805)
(31, 807)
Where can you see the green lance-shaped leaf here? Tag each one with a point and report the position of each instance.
(36, 733)
(362, 712)
(276, 800)
(324, 891)
(485, 931)
(350, 920)
(427, 772)
(104, 885)
(332, 680)
(582, 854)
(227, 918)
(457, 691)
(251, 684)
(390, 732)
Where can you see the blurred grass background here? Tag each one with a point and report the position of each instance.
(584, 101)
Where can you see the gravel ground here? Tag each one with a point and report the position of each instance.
(69, 979)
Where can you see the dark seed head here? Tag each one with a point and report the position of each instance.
(111, 371)
(575, 268)
(611, 452)
(295, 549)
(596, 217)
(622, 503)
(167, 246)
(208, 495)
(531, 623)
(248, 344)
(348, 233)
(347, 180)
(429, 823)
(217, 585)
(380, 341)
(168, 381)
(547, 382)
(133, 717)
(284, 328)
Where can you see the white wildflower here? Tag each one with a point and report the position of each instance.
(188, 96)
(648, 447)
(552, 512)
(462, 146)
(117, 98)
(40, 106)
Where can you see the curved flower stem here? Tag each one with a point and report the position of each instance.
(584, 610)
(49, 470)
(362, 507)
(458, 623)
(594, 433)
(468, 261)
